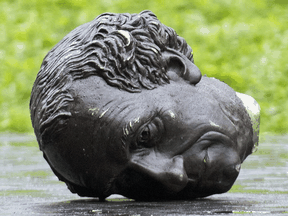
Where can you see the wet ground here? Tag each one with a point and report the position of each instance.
(28, 187)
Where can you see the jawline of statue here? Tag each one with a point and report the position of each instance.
(123, 109)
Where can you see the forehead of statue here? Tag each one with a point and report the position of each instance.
(93, 93)
(190, 103)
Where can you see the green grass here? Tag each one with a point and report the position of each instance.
(243, 43)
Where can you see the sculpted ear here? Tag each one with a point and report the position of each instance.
(253, 110)
(180, 67)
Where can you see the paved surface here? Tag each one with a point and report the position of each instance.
(28, 187)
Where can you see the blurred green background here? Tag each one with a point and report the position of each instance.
(241, 42)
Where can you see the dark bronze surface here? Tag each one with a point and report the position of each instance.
(119, 107)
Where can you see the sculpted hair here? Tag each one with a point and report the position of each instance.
(124, 49)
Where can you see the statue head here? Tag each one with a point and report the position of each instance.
(119, 107)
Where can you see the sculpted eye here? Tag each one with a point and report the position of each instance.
(148, 135)
(145, 135)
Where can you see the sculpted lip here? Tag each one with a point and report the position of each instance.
(193, 181)
(207, 134)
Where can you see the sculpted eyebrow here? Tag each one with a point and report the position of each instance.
(127, 131)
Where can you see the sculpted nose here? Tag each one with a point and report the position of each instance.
(175, 177)
(179, 66)
(168, 171)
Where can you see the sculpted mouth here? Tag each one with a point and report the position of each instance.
(192, 180)
(211, 163)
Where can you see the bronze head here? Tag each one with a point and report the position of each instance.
(119, 107)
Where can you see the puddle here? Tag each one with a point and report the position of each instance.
(28, 187)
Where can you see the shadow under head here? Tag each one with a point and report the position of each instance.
(119, 106)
